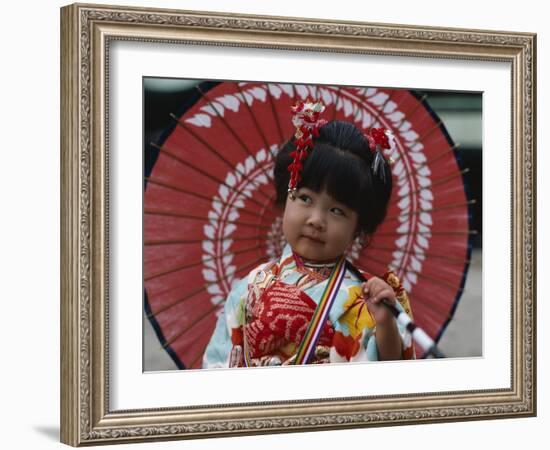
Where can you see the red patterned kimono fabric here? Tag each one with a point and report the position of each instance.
(280, 316)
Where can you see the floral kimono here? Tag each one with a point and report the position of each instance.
(267, 313)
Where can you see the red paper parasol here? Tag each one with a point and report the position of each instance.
(209, 216)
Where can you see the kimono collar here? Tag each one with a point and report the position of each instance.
(290, 257)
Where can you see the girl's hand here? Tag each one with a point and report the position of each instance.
(388, 341)
(374, 291)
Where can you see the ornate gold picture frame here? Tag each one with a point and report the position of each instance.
(88, 33)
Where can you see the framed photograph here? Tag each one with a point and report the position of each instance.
(172, 124)
(206, 220)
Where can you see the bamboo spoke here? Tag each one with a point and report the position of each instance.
(200, 353)
(399, 104)
(312, 89)
(217, 154)
(435, 233)
(336, 98)
(200, 240)
(275, 115)
(411, 111)
(431, 161)
(363, 99)
(436, 158)
(182, 190)
(230, 129)
(195, 321)
(426, 134)
(294, 94)
(405, 117)
(441, 181)
(356, 115)
(426, 210)
(204, 286)
(257, 125)
(208, 175)
(187, 296)
(460, 261)
(432, 279)
(381, 109)
(203, 219)
(437, 182)
(198, 195)
(197, 263)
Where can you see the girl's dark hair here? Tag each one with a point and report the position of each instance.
(340, 162)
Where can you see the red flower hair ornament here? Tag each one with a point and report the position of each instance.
(307, 122)
(380, 139)
(306, 119)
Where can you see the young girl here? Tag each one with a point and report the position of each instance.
(309, 306)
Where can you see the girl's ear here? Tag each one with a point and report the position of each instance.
(364, 238)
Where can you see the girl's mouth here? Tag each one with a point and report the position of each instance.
(312, 239)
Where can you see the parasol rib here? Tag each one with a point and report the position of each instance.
(257, 125)
(425, 210)
(205, 174)
(202, 287)
(195, 321)
(187, 296)
(294, 94)
(314, 88)
(437, 182)
(433, 306)
(275, 116)
(204, 219)
(198, 355)
(198, 240)
(230, 129)
(435, 233)
(338, 104)
(197, 263)
(426, 134)
(431, 161)
(363, 100)
(420, 274)
(447, 258)
(406, 116)
(421, 140)
(381, 109)
(336, 97)
(436, 158)
(409, 113)
(196, 194)
(218, 155)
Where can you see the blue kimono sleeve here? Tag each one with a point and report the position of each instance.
(219, 348)
(371, 346)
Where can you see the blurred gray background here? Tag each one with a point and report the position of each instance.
(460, 112)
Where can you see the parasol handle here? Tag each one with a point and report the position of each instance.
(417, 333)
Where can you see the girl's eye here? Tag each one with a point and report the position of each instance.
(338, 211)
(305, 198)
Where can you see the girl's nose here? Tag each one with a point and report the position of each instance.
(316, 219)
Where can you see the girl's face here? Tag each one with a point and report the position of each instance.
(317, 226)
